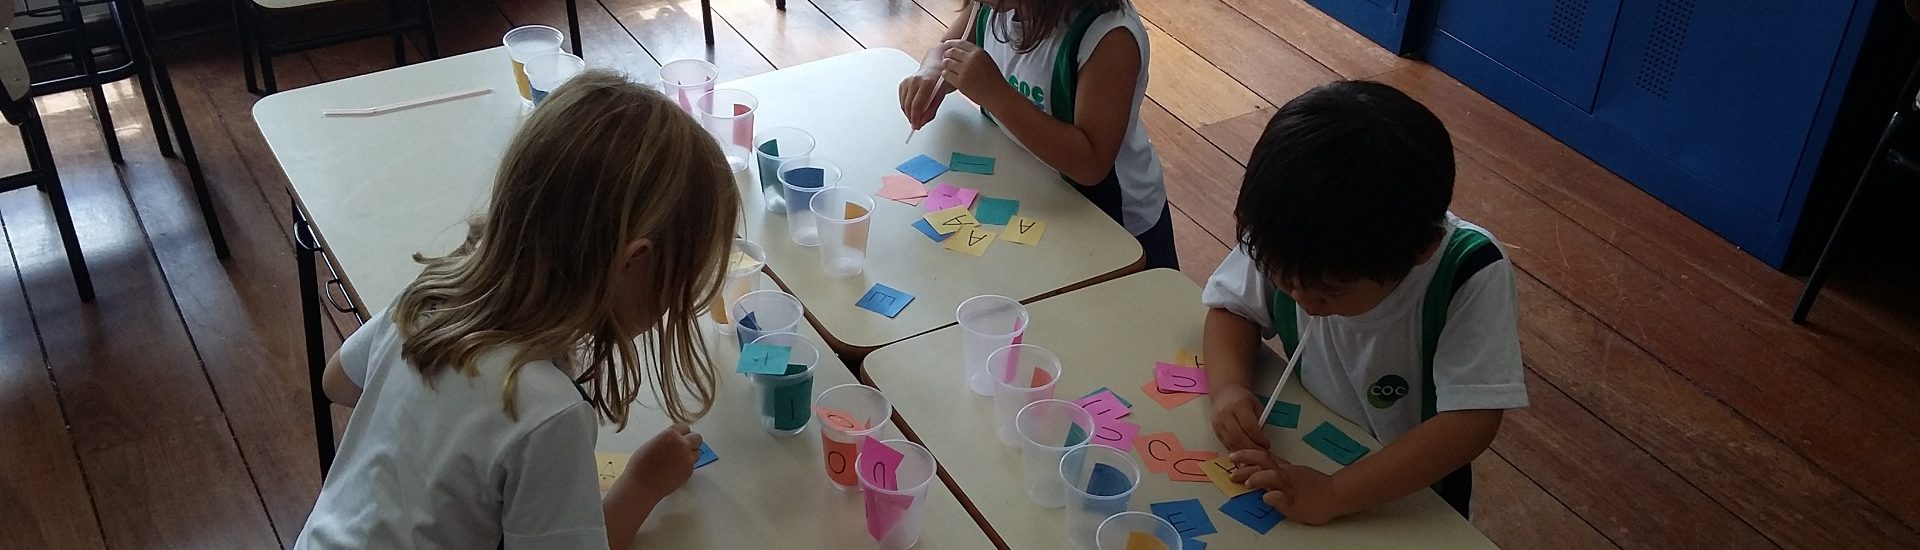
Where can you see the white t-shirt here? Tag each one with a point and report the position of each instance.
(1143, 190)
(1358, 366)
(443, 466)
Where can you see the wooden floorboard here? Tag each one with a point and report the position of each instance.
(1515, 512)
(1318, 35)
(797, 35)
(1191, 88)
(1259, 60)
(898, 24)
(670, 30)
(1201, 179)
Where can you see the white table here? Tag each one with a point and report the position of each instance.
(1110, 335)
(850, 104)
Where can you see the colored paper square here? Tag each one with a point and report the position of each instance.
(706, 456)
(1158, 451)
(945, 195)
(1023, 230)
(1250, 511)
(1187, 516)
(1138, 540)
(1165, 399)
(884, 511)
(1190, 358)
(996, 211)
(806, 178)
(927, 229)
(972, 242)
(608, 467)
(1114, 432)
(1330, 441)
(1103, 405)
(962, 162)
(763, 359)
(839, 460)
(1187, 466)
(950, 220)
(1175, 378)
(1123, 400)
(749, 323)
(1106, 481)
(1285, 415)
(1220, 472)
(902, 188)
(786, 400)
(1192, 544)
(923, 168)
(839, 419)
(1075, 436)
(884, 300)
(880, 462)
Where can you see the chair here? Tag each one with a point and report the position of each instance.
(19, 110)
(254, 45)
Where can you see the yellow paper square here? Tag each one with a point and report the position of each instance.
(951, 220)
(1189, 358)
(856, 237)
(1220, 471)
(1024, 230)
(1137, 540)
(609, 466)
(974, 241)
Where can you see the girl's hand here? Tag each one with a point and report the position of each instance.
(1303, 494)
(919, 97)
(972, 71)
(1236, 420)
(663, 464)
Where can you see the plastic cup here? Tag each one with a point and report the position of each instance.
(728, 115)
(987, 323)
(524, 43)
(549, 70)
(771, 147)
(784, 399)
(845, 214)
(847, 413)
(1022, 374)
(1089, 503)
(803, 177)
(895, 517)
(771, 311)
(685, 80)
(1115, 532)
(1048, 429)
(740, 280)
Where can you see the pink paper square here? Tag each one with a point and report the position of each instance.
(880, 463)
(903, 188)
(1114, 432)
(884, 511)
(1104, 405)
(1173, 378)
(936, 203)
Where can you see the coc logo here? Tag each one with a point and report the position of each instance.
(1386, 391)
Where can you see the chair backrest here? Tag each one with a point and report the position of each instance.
(13, 68)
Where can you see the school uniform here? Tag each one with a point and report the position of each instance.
(1446, 338)
(442, 466)
(1135, 192)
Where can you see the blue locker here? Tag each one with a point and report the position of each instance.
(1383, 21)
(1559, 45)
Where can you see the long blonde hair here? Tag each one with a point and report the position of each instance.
(601, 163)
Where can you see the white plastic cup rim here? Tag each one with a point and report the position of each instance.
(1021, 427)
(752, 250)
(1076, 490)
(713, 102)
(837, 191)
(829, 179)
(546, 77)
(1001, 382)
(885, 416)
(789, 298)
(961, 318)
(783, 133)
(798, 341)
(1150, 519)
(525, 31)
(932, 472)
(707, 71)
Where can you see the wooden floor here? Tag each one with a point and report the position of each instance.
(1673, 404)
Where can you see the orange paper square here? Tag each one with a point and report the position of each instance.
(1168, 400)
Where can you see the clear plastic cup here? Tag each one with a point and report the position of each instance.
(845, 214)
(1022, 374)
(895, 518)
(771, 311)
(685, 80)
(867, 411)
(1116, 532)
(771, 147)
(785, 399)
(1089, 504)
(802, 177)
(728, 116)
(549, 70)
(987, 323)
(524, 43)
(738, 282)
(1048, 429)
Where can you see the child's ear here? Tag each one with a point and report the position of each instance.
(636, 250)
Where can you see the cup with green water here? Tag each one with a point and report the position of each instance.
(786, 400)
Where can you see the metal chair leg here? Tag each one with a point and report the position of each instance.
(426, 28)
(104, 115)
(40, 159)
(1818, 278)
(170, 103)
(80, 47)
(155, 116)
(399, 36)
(243, 26)
(573, 27)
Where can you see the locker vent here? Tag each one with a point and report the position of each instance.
(1568, 17)
(1664, 45)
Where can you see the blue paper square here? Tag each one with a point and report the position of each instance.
(1187, 517)
(1334, 443)
(806, 178)
(1285, 415)
(972, 164)
(1192, 544)
(763, 359)
(1106, 481)
(749, 323)
(884, 300)
(706, 456)
(992, 211)
(1249, 510)
(927, 229)
(922, 168)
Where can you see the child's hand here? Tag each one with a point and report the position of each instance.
(920, 99)
(1252, 461)
(663, 464)
(1303, 494)
(1236, 420)
(971, 70)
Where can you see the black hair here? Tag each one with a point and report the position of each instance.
(1351, 180)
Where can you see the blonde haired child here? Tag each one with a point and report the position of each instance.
(476, 394)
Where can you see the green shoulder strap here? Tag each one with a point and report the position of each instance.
(1066, 66)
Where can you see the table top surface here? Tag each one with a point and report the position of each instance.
(1110, 335)
(767, 491)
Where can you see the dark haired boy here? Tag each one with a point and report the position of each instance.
(1405, 311)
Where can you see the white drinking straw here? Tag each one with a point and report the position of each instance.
(1299, 349)
(408, 104)
(966, 34)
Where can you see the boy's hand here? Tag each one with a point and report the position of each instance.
(971, 70)
(1252, 461)
(663, 464)
(1236, 420)
(1303, 494)
(919, 97)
